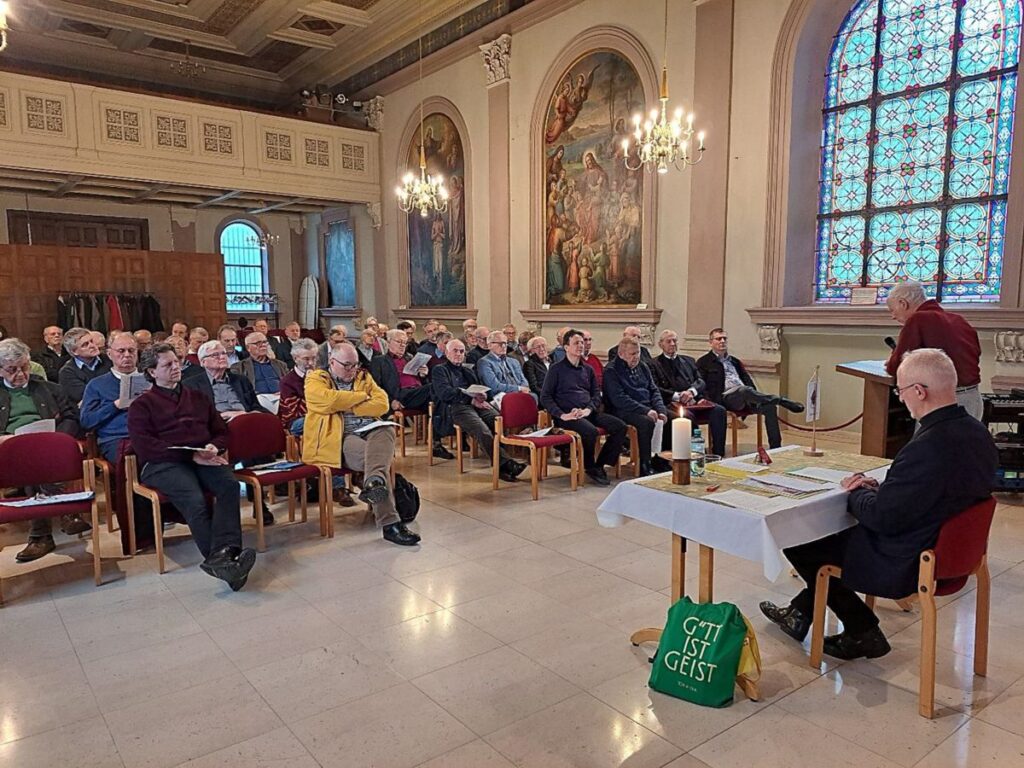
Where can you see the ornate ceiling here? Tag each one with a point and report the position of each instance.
(257, 53)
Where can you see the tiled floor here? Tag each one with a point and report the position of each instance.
(501, 641)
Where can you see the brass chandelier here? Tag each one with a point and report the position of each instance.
(425, 193)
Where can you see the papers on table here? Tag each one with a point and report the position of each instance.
(43, 425)
(418, 361)
(270, 401)
(132, 386)
(742, 464)
(473, 390)
(821, 473)
(365, 430)
(790, 484)
(762, 505)
(59, 498)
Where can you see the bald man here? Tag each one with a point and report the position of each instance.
(630, 332)
(948, 465)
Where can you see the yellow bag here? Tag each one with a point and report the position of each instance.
(750, 656)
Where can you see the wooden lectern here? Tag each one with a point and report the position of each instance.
(887, 426)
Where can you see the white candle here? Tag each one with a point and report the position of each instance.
(682, 432)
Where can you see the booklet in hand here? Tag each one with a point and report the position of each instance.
(475, 390)
(43, 425)
(418, 361)
(132, 386)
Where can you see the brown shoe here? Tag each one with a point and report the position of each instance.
(343, 497)
(36, 548)
(73, 525)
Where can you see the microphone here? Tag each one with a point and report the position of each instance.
(890, 342)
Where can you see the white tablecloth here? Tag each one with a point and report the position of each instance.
(751, 535)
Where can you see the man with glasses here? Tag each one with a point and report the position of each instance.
(339, 402)
(469, 327)
(103, 411)
(480, 347)
(948, 466)
(337, 335)
(262, 371)
(85, 363)
(26, 399)
(498, 370)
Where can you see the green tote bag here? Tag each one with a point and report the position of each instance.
(699, 652)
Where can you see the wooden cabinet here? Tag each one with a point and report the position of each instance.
(74, 231)
(887, 425)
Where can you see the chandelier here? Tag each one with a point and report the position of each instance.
(263, 239)
(4, 8)
(660, 142)
(186, 67)
(424, 193)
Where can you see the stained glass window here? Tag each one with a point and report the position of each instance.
(915, 158)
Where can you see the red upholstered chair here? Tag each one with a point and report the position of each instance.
(326, 488)
(959, 553)
(257, 436)
(104, 476)
(519, 411)
(158, 501)
(41, 459)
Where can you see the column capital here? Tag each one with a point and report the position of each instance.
(374, 211)
(375, 113)
(497, 55)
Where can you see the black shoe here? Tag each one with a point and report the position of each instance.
(73, 525)
(791, 405)
(440, 452)
(36, 548)
(312, 491)
(516, 468)
(343, 497)
(565, 458)
(869, 645)
(268, 516)
(658, 464)
(230, 564)
(645, 470)
(790, 620)
(598, 475)
(398, 534)
(375, 491)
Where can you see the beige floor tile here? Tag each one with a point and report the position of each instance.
(83, 744)
(494, 689)
(687, 761)
(581, 731)
(430, 642)
(396, 728)
(516, 613)
(31, 639)
(276, 749)
(977, 743)
(405, 561)
(322, 576)
(585, 652)
(479, 543)
(593, 546)
(57, 695)
(170, 729)
(647, 567)
(376, 607)
(137, 676)
(304, 684)
(265, 639)
(869, 712)
(1007, 710)
(476, 754)
(219, 606)
(457, 583)
(538, 526)
(529, 563)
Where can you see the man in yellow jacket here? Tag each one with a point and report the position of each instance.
(339, 403)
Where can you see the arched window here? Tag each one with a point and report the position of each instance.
(915, 158)
(245, 267)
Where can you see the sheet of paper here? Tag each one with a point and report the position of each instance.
(762, 505)
(659, 430)
(537, 433)
(60, 498)
(375, 425)
(822, 473)
(789, 483)
(475, 389)
(43, 425)
(745, 465)
(418, 361)
(184, 448)
(277, 465)
(270, 402)
(133, 386)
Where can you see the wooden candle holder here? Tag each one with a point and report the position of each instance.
(680, 471)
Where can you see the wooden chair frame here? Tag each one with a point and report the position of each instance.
(926, 597)
(734, 426)
(538, 458)
(293, 452)
(420, 429)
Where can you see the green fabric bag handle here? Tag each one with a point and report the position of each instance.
(699, 652)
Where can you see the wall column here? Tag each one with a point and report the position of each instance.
(712, 97)
(496, 55)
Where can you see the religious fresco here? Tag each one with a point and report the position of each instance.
(437, 243)
(593, 221)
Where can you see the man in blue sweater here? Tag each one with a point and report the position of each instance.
(631, 394)
(499, 371)
(102, 411)
(572, 397)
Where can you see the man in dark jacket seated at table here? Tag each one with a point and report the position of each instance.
(630, 394)
(948, 466)
(170, 415)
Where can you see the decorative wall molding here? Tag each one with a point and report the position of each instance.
(1009, 346)
(569, 315)
(770, 337)
(374, 211)
(375, 113)
(497, 56)
(982, 316)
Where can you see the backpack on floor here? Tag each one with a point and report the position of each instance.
(407, 499)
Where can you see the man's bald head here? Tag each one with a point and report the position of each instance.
(926, 381)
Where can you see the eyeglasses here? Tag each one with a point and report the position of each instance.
(900, 390)
(257, 343)
(14, 370)
(346, 366)
(499, 343)
(215, 354)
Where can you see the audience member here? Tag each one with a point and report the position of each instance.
(171, 415)
(180, 348)
(103, 411)
(196, 338)
(101, 344)
(680, 385)
(371, 324)
(727, 383)
(949, 465)
(632, 332)
(144, 340)
(405, 391)
(592, 360)
(231, 393)
(537, 363)
(481, 348)
(85, 363)
(441, 339)
(512, 337)
(926, 324)
(524, 339)
(631, 395)
(337, 335)
(411, 345)
(572, 397)
(366, 347)
(473, 414)
(558, 353)
(339, 402)
(469, 327)
(53, 356)
(283, 350)
(429, 332)
(263, 372)
(497, 370)
(23, 401)
(160, 337)
(292, 407)
(227, 335)
(179, 329)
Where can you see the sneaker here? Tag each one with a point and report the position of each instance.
(73, 525)
(35, 549)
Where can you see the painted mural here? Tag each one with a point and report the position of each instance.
(593, 222)
(437, 243)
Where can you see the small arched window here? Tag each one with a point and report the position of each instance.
(915, 159)
(245, 267)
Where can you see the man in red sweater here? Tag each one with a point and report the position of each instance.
(926, 324)
(167, 416)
